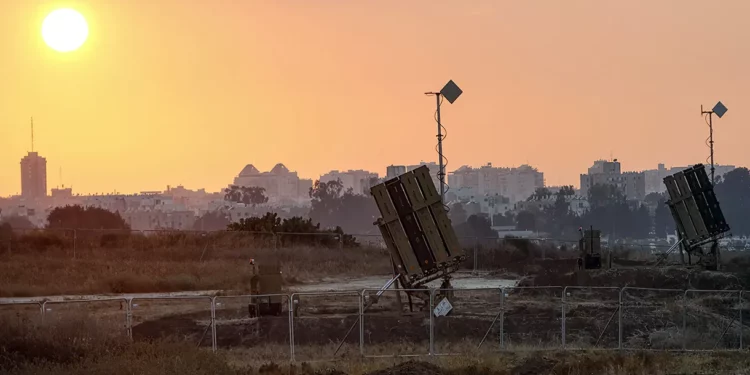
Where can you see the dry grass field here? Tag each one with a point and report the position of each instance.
(76, 348)
(167, 263)
(170, 336)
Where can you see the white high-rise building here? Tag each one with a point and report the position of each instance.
(359, 181)
(516, 184)
(631, 184)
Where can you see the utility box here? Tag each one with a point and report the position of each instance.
(265, 290)
(591, 246)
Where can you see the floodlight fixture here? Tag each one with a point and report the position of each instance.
(719, 109)
(450, 91)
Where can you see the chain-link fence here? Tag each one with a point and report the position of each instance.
(590, 319)
(259, 323)
(387, 323)
(713, 319)
(474, 322)
(324, 325)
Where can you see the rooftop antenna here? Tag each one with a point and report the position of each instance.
(719, 109)
(32, 134)
(450, 91)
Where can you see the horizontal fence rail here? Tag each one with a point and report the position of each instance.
(391, 323)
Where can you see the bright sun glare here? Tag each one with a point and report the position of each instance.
(65, 30)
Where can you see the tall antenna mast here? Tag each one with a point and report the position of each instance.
(451, 92)
(32, 134)
(719, 109)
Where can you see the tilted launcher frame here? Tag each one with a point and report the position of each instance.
(419, 236)
(417, 231)
(697, 214)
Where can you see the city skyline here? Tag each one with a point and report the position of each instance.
(168, 102)
(37, 180)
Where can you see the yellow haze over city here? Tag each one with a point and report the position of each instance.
(165, 92)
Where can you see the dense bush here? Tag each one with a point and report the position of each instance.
(79, 217)
(295, 231)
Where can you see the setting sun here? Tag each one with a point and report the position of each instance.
(65, 30)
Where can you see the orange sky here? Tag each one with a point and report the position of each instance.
(188, 92)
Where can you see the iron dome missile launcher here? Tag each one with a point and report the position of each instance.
(417, 232)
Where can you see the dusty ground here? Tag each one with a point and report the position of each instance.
(461, 280)
(525, 317)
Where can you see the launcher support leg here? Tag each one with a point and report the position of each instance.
(446, 289)
(715, 254)
(396, 286)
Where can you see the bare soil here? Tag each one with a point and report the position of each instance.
(563, 272)
(528, 317)
(411, 368)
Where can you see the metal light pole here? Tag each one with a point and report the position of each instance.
(719, 109)
(450, 91)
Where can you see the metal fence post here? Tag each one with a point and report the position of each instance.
(502, 318)
(275, 241)
(562, 328)
(213, 324)
(362, 323)
(44, 311)
(742, 327)
(476, 255)
(619, 321)
(684, 320)
(129, 317)
(292, 308)
(432, 323)
(126, 315)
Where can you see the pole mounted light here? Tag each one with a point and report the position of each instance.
(719, 109)
(450, 91)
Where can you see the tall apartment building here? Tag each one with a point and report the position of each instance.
(631, 184)
(33, 176)
(516, 184)
(360, 181)
(655, 177)
(434, 169)
(393, 171)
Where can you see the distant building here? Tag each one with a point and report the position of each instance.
(631, 184)
(33, 176)
(393, 171)
(195, 199)
(280, 183)
(62, 193)
(516, 184)
(576, 204)
(145, 220)
(655, 177)
(434, 169)
(359, 181)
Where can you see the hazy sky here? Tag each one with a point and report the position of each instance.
(188, 92)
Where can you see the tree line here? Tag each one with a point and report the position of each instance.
(610, 212)
(334, 208)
